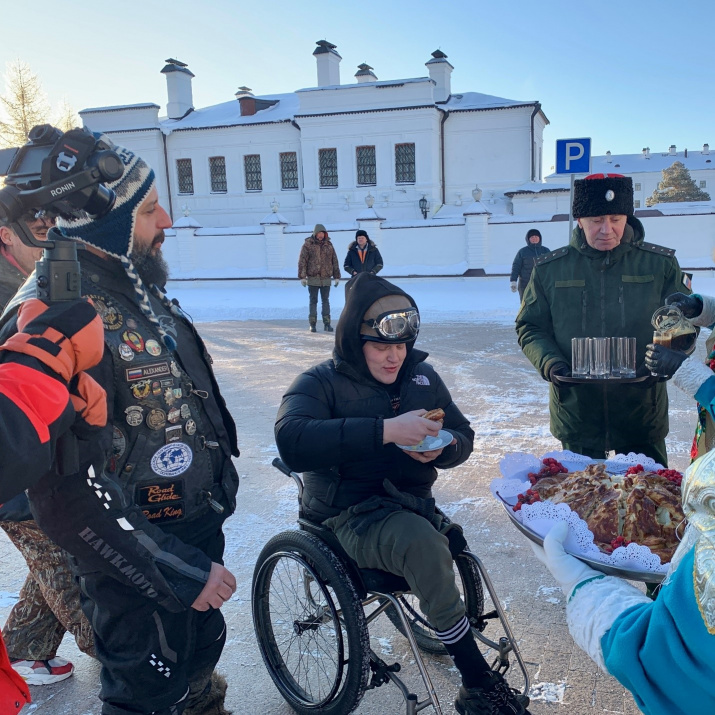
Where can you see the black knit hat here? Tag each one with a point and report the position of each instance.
(361, 232)
(603, 195)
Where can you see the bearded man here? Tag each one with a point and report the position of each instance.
(143, 517)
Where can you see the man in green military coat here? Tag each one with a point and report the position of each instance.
(606, 283)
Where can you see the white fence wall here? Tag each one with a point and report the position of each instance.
(477, 243)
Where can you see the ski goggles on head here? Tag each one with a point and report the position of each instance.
(398, 326)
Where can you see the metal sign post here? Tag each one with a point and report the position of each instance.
(573, 156)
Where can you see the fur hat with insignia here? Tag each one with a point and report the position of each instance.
(603, 195)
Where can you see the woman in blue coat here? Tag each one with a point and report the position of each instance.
(663, 651)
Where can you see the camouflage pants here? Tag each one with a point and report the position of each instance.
(49, 599)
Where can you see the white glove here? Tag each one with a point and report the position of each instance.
(304, 282)
(513, 286)
(337, 280)
(568, 571)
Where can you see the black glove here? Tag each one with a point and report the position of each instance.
(663, 361)
(559, 369)
(689, 305)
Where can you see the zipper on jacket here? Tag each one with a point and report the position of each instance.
(623, 306)
(207, 497)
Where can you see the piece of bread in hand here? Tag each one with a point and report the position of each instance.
(434, 415)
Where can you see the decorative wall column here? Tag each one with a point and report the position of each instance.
(369, 220)
(186, 228)
(476, 219)
(273, 229)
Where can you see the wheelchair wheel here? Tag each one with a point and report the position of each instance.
(469, 583)
(310, 625)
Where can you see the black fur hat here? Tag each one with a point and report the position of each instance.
(603, 195)
(361, 232)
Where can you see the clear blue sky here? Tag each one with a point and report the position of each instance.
(627, 73)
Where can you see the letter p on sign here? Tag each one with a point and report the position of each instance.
(573, 156)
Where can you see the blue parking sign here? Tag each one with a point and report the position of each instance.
(573, 156)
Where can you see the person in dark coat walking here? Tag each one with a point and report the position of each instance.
(363, 255)
(342, 422)
(524, 262)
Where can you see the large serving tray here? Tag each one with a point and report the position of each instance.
(608, 569)
(571, 380)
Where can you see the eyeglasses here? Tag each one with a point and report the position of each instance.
(396, 326)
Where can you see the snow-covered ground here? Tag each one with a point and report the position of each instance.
(439, 299)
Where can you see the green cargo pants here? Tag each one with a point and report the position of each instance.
(408, 545)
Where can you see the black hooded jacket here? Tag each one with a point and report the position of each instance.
(371, 264)
(525, 259)
(330, 422)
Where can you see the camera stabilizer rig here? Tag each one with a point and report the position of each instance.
(59, 174)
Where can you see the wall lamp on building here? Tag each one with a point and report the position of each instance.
(424, 206)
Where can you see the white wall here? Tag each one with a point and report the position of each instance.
(429, 248)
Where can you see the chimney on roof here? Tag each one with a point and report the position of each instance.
(328, 61)
(178, 89)
(608, 157)
(706, 148)
(671, 150)
(365, 74)
(440, 72)
(646, 152)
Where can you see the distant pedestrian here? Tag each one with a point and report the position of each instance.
(524, 261)
(363, 256)
(317, 266)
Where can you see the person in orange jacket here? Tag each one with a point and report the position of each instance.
(44, 393)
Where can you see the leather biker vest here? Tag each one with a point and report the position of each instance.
(165, 451)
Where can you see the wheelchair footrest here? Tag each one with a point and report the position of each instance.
(380, 671)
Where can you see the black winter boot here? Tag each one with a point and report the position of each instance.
(494, 698)
(212, 702)
(312, 328)
(327, 327)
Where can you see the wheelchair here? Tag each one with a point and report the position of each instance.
(311, 608)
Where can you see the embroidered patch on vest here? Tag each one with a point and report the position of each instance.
(168, 512)
(112, 319)
(152, 493)
(155, 369)
(420, 380)
(172, 459)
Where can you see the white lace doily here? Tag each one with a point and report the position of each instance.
(541, 516)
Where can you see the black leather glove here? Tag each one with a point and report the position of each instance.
(559, 369)
(663, 361)
(689, 305)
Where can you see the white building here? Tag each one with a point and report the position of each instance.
(446, 183)
(646, 169)
(318, 152)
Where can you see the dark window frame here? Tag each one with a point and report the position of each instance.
(183, 176)
(253, 174)
(328, 167)
(403, 166)
(217, 174)
(287, 170)
(366, 169)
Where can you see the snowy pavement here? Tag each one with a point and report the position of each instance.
(259, 346)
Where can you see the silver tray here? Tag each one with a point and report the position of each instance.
(630, 574)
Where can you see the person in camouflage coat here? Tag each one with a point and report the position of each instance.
(607, 282)
(317, 267)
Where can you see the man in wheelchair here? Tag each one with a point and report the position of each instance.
(340, 423)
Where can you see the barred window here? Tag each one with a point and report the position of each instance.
(289, 170)
(405, 163)
(366, 165)
(636, 204)
(636, 187)
(186, 176)
(703, 184)
(328, 162)
(217, 169)
(252, 167)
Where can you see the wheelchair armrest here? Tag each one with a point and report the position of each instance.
(279, 464)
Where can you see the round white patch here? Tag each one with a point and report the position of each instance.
(610, 195)
(172, 459)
